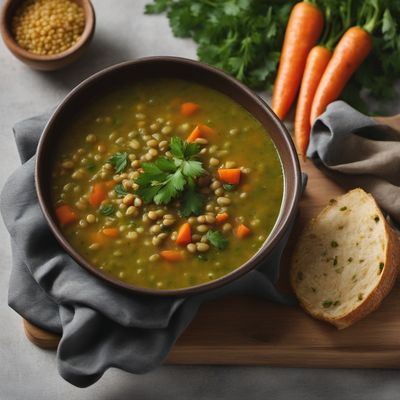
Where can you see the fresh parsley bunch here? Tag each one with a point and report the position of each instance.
(167, 178)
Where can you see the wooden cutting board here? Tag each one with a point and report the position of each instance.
(246, 330)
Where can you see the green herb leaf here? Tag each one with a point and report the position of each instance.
(217, 239)
(119, 161)
(229, 187)
(192, 202)
(164, 179)
(334, 243)
(193, 168)
(106, 210)
(120, 190)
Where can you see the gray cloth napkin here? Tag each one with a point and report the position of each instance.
(101, 326)
(357, 151)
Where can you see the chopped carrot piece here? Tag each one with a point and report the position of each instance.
(242, 231)
(172, 255)
(229, 175)
(206, 130)
(97, 195)
(222, 217)
(98, 237)
(66, 215)
(188, 109)
(110, 232)
(201, 130)
(196, 133)
(184, 235)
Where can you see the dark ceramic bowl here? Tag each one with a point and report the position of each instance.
(165, 67)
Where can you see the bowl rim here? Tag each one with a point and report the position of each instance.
(277, 233)
(14, 47)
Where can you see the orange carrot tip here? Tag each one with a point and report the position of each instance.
(222, 217)
(196, 133)
(317, 60)
(188, 109)
(242, 231)
(97, 195)
(66, 215)
(184, 236)
(110, 232)
(172, 255)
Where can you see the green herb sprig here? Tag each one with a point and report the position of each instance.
(164, 179)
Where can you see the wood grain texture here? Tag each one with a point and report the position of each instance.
(246, 330)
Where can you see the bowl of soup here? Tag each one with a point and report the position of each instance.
(166, 176)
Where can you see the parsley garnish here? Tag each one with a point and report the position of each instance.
(119, 161)
(165, 179)
(217, 239)
(229, 187)
(107, 210)
(120, 190)
(334, 243)
(192, 202)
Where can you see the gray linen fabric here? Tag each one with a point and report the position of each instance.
(359, 152)
(101, 326)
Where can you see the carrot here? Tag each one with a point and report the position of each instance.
(317, 60)
(196, 133)
(350, 52)
(184, 235)
(66, 215)
(229, 175)
(242, 231)
(302, 32)
(172, 255)
(97, 195)
(206, 130)
(199, 131)
(98, 237)
(188, 109)
(222, 217)
(110, 232)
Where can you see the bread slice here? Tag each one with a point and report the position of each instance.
(346, 260)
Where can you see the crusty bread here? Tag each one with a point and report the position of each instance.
(346, 260)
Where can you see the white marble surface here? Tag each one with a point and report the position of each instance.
(28, 373)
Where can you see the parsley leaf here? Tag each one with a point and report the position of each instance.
(229, 187)
(120, 190)
(107, 210)
(119, 161)
(164, 179)
(217, 239)
(192, 202)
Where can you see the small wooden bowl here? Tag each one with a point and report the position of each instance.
(45, 62)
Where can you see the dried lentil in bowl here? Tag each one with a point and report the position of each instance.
(166, 184)
(48, 27)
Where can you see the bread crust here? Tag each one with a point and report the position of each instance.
(381, 290)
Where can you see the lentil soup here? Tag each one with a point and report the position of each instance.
(166, 184)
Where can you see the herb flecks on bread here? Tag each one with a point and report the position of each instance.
(346, 260)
